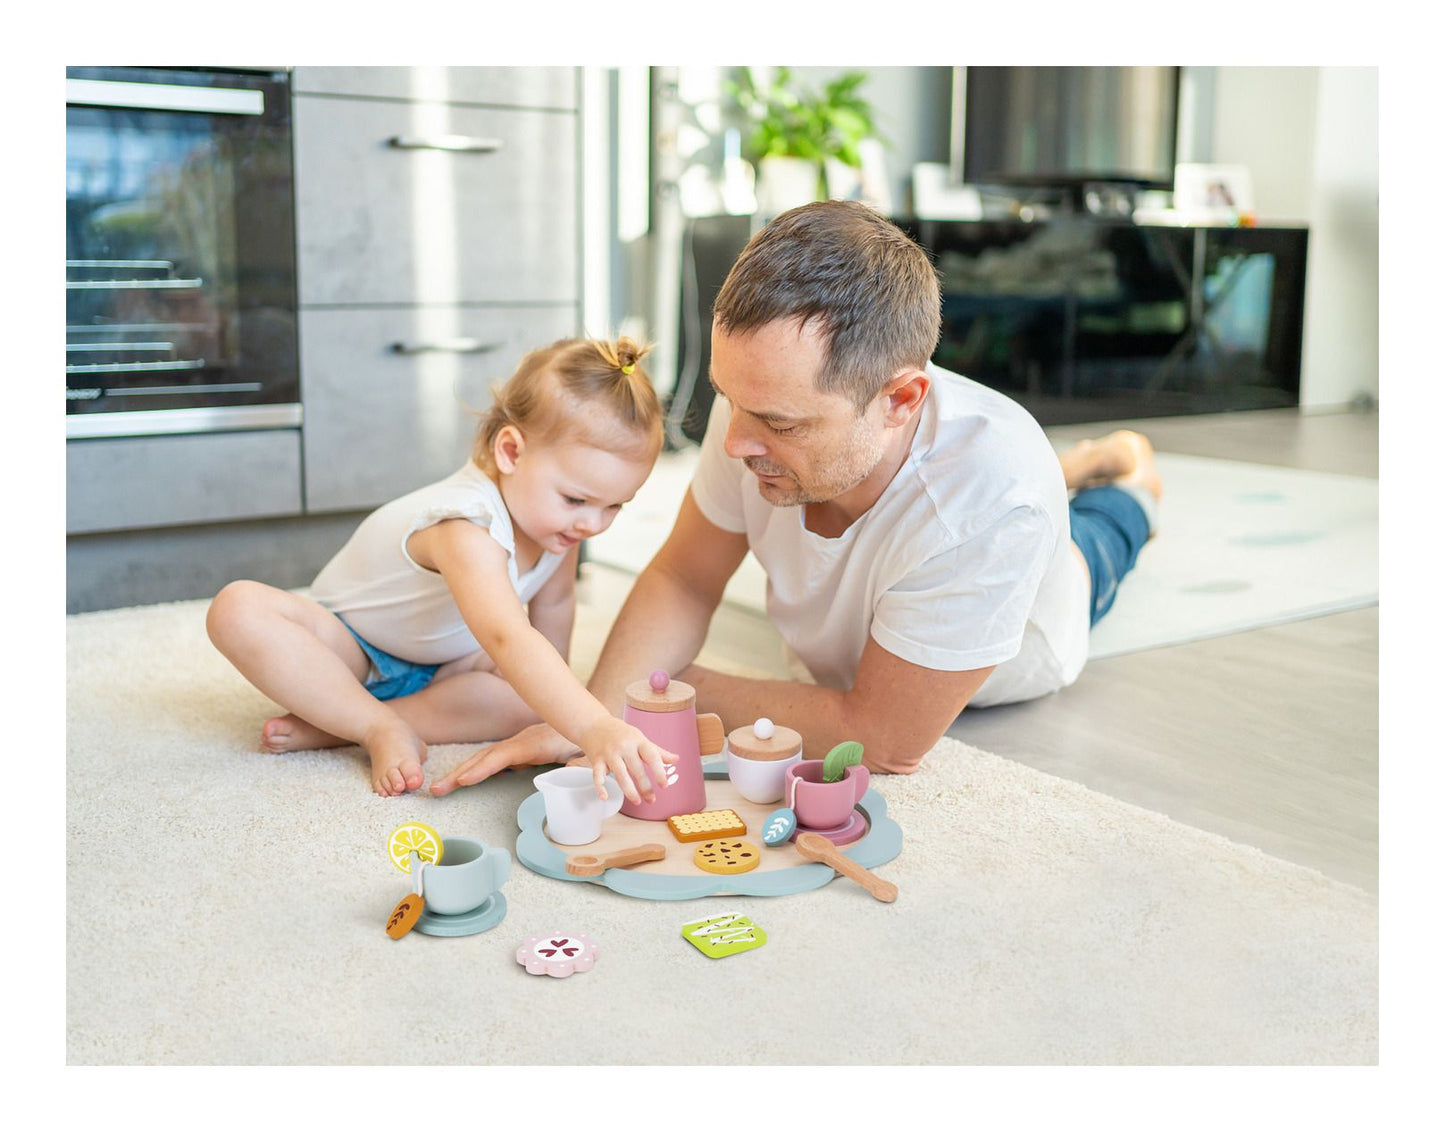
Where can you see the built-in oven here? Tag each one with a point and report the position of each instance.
(180, 251)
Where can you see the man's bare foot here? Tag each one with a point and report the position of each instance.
(397, 753)
(292, 733)
(1121, 457)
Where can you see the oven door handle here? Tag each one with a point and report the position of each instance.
(447, 346)
(453, 143)
(164, 96)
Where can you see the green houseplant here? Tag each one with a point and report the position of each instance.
(791, 122)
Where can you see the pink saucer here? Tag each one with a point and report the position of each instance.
(847, 833)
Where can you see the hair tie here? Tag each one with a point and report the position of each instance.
(629, 367)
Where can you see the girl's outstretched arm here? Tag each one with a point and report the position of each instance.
(553, 609)
(475, 569)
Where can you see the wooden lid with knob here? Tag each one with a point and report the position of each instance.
(659, 692)
(764, 741)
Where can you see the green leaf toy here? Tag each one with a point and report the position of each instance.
(837, 761)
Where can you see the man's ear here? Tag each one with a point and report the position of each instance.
(903, 396)
(507, 448)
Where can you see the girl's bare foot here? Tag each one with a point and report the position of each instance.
(397, 753)
(292, 733)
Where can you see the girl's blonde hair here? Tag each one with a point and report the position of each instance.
(577, 388)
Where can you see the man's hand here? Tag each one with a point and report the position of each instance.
(535, 746)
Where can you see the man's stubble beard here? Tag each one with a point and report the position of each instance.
(860, 453)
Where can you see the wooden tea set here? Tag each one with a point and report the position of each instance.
(717, 828)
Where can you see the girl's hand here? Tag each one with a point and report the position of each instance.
(615, 747)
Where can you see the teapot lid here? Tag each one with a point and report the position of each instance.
(659, 692)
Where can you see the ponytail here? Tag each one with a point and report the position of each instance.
(558, 390)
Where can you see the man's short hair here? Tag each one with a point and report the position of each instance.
(874, 291)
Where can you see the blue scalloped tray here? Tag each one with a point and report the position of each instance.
(684, 881)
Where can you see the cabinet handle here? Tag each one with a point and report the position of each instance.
(446, 346)
(455, 143)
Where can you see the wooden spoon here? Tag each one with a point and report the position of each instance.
(816, 847)
(591, 865)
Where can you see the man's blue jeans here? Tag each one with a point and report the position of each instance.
(1109, 525)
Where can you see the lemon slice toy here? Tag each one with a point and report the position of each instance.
(414, 837)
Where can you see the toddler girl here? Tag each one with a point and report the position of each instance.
(446, 618)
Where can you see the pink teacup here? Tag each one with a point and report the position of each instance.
(819, 804)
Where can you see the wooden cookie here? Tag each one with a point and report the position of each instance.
(727, 856)
(707, 823)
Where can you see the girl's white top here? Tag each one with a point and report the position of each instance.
(401, 607)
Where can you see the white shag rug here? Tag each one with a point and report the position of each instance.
(227, 907)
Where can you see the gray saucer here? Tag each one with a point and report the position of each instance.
(491, 912)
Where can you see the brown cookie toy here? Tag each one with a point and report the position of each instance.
(726, 856)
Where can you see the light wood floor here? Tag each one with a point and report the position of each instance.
(1269, 738)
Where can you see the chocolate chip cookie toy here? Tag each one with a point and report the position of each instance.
(727, 856)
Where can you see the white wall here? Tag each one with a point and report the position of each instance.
(1342, 288)
(1265, 118)
(1310, 137)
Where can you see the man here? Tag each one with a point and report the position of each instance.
(914, 525)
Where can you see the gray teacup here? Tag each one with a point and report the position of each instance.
(468, 873)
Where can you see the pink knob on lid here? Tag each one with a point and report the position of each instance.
(659, 680)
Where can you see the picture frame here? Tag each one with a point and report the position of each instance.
(1226, 191)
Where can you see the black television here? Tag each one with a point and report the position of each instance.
(1064, 127)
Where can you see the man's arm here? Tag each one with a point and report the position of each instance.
(896, 709)
(664, 621)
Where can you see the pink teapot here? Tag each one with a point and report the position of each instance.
(665, 711)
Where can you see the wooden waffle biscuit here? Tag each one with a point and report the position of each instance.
(727, 856)
(705, 824)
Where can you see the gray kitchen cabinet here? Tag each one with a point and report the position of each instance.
(438, 240)
(381, 223)
(153, 481)
(550, 87)
(393, 396)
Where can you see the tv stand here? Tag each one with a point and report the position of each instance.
(1082, 317)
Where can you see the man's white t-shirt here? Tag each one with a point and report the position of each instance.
(401, 607)
(963, 562)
